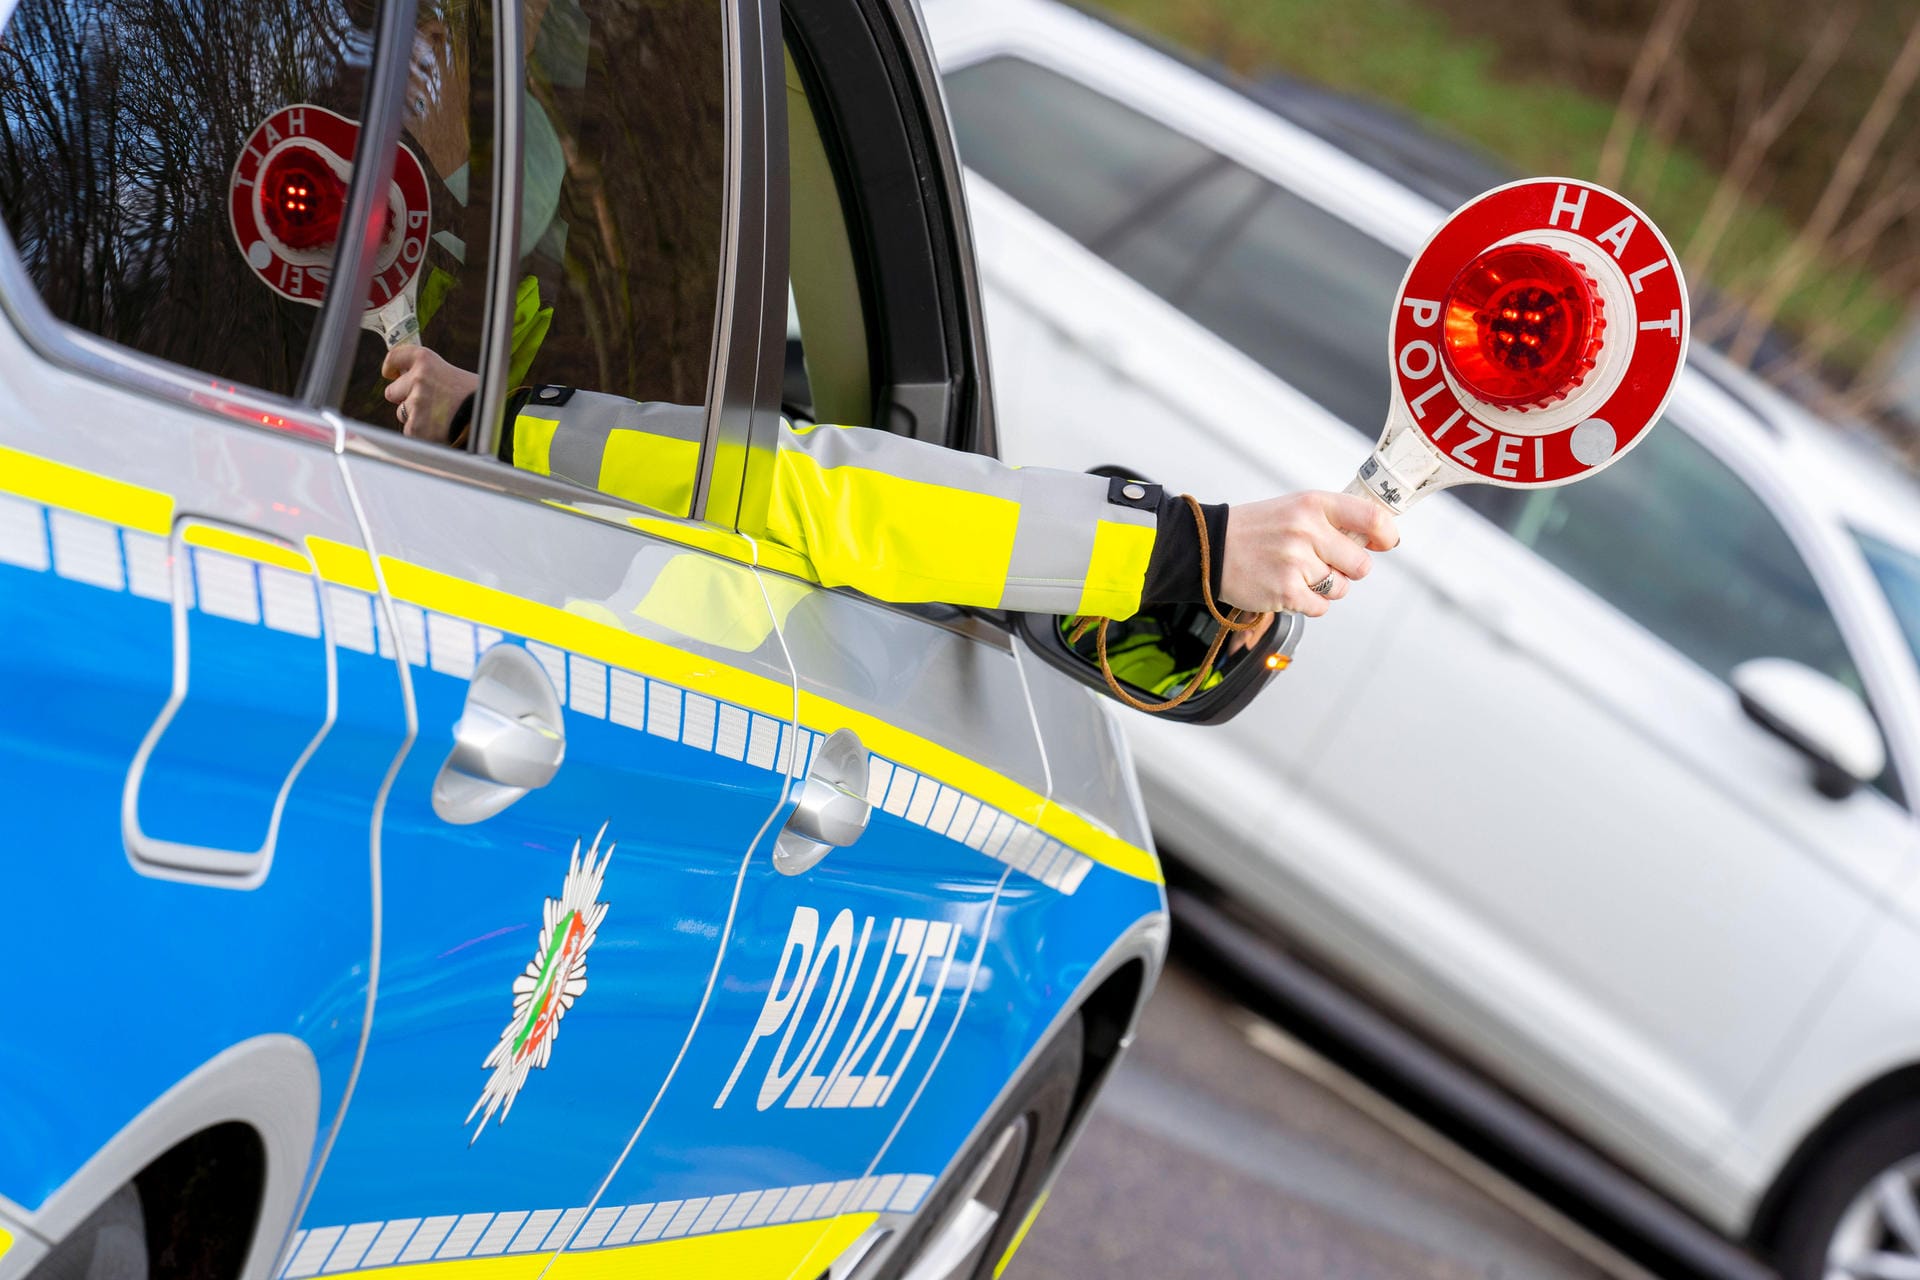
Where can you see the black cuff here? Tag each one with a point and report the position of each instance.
(1173, 574)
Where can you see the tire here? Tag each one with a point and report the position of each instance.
(1859, 1197)
(110, 1245)
(1005, 1166)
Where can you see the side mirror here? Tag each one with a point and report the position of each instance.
(1155, 653)
(1817, 716)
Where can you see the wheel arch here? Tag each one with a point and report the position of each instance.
(269, 1084)
(1899, 1084)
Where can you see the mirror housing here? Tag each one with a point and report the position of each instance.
(1817, 716)
(1237, 679)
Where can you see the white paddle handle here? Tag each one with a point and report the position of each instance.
(1358, 488)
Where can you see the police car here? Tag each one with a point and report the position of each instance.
(415, 860)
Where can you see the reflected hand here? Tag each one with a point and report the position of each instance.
(1278, 549)
(427, 390)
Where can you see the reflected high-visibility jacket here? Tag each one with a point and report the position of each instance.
(898, 519)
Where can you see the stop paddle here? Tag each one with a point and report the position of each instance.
(1535, 339)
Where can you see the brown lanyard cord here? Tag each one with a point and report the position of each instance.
(1239, 621)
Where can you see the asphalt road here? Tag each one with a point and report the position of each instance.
(1219, 1149)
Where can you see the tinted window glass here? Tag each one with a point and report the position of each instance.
(446, 128)
(621, 217)
(1899, 575)
(1078, 159)
(616, 270)
(1173, 236)
(1673, 539)
(121, 124)
(1309, 297)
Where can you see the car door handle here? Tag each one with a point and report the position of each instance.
(509, 739)
(832, 808)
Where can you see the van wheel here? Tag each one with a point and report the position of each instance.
(110, 1245)
(972, 1221)
(1856, 1211)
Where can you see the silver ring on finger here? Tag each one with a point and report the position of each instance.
(1324, 587)
(401, 413)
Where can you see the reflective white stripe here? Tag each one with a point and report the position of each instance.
(23, 534)
(289, 602)
(352, 1247)
(450, 645)
(87, 550)
(588, 694)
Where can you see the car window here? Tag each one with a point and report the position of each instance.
(123, 125)
(616, 271)
(1898, 573)
(1077, 158)
(1306, 294)
(1672, 538)
(1167, 240)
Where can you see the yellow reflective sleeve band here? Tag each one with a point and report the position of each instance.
(533, 443)
(894, 538)
(90, 494)
(653, 470)
(6, 1241)
(247, 547)
(1118, 569)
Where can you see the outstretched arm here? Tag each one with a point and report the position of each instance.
(907, 521)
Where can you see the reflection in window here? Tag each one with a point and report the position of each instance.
(1309, 297)
(616, 270)
(120, 125)
(1672, 538)
(1078, 159)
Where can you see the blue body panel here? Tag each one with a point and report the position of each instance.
(157, 975)
(146, 978)
(462, 911)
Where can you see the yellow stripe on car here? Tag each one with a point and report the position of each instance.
(758, 1253)
(73, 489)
(247, 547)
(87, 492)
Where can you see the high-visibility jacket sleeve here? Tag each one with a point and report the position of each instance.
(898, 519)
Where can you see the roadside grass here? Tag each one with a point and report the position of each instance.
(1406, 55)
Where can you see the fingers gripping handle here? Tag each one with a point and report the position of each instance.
(1359, 488)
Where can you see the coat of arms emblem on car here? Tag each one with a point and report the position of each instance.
(552, 981)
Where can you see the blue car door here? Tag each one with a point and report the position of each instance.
(604, 707)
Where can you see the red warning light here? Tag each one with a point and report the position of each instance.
(1522, 326)
(301, 199)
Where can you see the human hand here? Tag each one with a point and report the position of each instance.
(1278, 549)
(426, 388)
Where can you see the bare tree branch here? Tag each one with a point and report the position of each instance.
(1663, 36)
(1848, 171)
(1762, 131)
